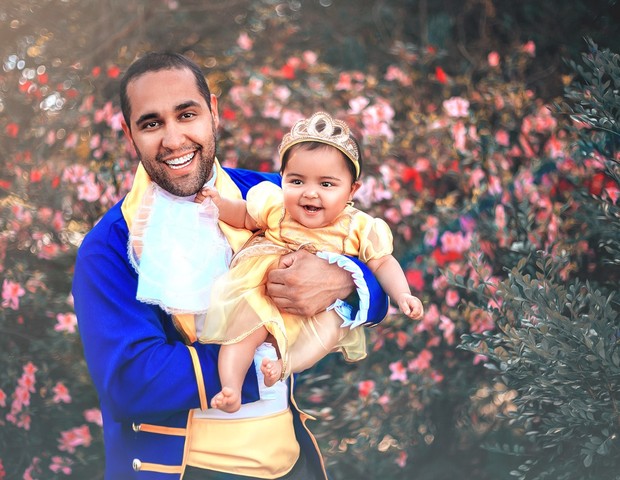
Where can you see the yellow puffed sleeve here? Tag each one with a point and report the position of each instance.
(265, 204)
(370, 237)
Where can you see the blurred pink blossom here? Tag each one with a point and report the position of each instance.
(529, 48)
(290, 117)
(93, 415)
(2, 398)
(493, 59)
(395, 73)
(11, 293)
(365, 388)
(401, 460)
(452, 297)
(76, 437)
(455, 242)
(447, 326)
(245, 42)
(66, 322)
(310, 57)
(456, 107)
(61, 393)
(421, 362)
(502, 138)
(61, 465)
(89, 190)
(357, 105)
(399, 372)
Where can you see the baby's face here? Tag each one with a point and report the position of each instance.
(317, 186)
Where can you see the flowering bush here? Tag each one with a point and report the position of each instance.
(471, 170)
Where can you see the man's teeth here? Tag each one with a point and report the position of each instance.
(181, 161)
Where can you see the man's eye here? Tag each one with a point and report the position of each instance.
(187, 115)
(149, 125)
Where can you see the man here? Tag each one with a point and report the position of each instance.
(154, 381)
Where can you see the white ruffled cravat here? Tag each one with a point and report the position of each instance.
(178, 251)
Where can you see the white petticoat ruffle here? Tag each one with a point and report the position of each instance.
(178, 250)
(342, 308)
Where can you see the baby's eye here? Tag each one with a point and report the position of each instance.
(296, 182)
(326, 184)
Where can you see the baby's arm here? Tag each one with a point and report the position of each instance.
(231, 211)
(392, 278)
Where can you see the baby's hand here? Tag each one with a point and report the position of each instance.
(411, 306)
(208, 192)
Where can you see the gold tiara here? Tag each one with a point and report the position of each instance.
(322, 128)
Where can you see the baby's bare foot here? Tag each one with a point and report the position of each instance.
(272, 370)
(228, 400)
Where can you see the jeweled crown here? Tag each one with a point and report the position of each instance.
(322, 128)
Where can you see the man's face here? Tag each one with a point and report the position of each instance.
(172, 129)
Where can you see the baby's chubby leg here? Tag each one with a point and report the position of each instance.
(233, 363)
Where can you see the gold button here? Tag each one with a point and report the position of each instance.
(137, 464)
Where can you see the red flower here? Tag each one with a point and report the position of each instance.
(415, 278)
(114, 71)
(443, 258)
(228, 114)
(43, 78)
(287, 72)
(35, 175)
(411, 175)
(12, 129)
(96, 71)
(441, 75)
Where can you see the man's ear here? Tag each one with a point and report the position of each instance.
(214, 113)
(127, 132)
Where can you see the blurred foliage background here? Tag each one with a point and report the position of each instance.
(490, 134)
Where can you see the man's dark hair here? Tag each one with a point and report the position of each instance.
(154, 62)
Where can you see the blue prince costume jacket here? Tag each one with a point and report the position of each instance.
(148, 374)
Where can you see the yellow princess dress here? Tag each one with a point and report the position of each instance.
(239, 304)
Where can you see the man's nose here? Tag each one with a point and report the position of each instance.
(173, 137)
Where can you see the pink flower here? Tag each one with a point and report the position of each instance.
(76, 437)
(61, 464)
(357, 105)
(2, 399)
(245, 42)
(310, 57)
(11, 293)
(365, 388)
(93, 415)
(89, 190)
(529, 48)
(493, 59)
(502, 138)
(447, 326)
(399, 372)
(456, 107)
(452, 297)
(421, 362)
(401, 460)
(455, 242)
(61, 393)
(67, 322)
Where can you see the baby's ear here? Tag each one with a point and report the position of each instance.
(354, 188)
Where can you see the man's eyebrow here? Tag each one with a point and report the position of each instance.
(179, 108)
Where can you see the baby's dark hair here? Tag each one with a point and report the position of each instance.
(313, 145)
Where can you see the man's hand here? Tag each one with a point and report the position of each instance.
(305, 285)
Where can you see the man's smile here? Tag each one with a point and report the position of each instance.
(180, 162)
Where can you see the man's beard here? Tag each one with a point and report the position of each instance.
(190, 186)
